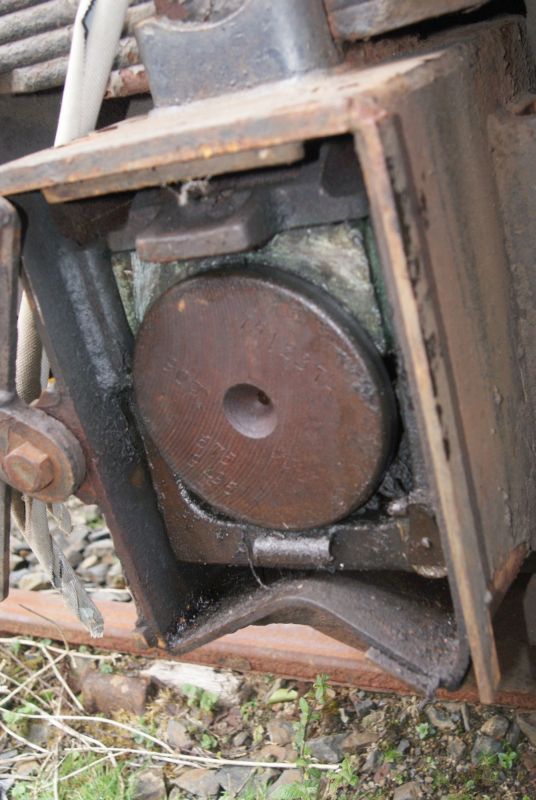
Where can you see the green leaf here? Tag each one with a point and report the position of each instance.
(283, 696)
(207, 701)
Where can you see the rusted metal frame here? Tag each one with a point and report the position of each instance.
(374, 545)
(292, 651)
(400, 244)
(9, 263)
(89, 346)
(127, 81)
(394, 88)
(360, 19)
(314, 106)
(293, 111)
(181, 171)
(513, 138)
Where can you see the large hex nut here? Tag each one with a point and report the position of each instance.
(28, 468)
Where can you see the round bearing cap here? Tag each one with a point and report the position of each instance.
(264, 397)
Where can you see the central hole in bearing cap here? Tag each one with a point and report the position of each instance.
(250, 411)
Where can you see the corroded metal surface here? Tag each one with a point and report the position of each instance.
(264, 397)
(38, 455)
(246, 44)
(436, 215)
(360, 19)
(148, 150)
(294, 651)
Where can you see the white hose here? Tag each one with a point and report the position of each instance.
(97, 29)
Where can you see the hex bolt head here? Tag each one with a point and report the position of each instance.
(28, 468)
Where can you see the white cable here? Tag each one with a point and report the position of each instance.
(96, 32)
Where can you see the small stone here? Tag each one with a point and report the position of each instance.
(98, 533)
(16, 562)
(79, 667)
(112, 595)
(106, 693)
(38, 732)
(466, 719)
(382, 774)
(234, 779)
(514, 734)
(99, 548)
(91, 513)
(287, 778)
(97, 574)
(201, 782)
(34, 581)
(228, 688)
(484, 746)
(358, 740)
(372, 761)
(439, 718)
(78, 535)
(71, 547)
(149, 784)
(495, 727)
(456, 749)
(409, 791)
(373, 719)
(87, 563)
(16, 576)
(363, 707)
(25, 769)
(327, 749)
(280, 731)
(274, 752)
(115, 577)
(177, 735)
(527, 724)
(529, 761)
(17, 545)
(403, 746)
(240, 738)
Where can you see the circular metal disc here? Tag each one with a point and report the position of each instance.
(264, 397)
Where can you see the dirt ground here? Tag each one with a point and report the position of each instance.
(81, 725)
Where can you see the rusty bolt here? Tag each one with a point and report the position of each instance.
(28, 468)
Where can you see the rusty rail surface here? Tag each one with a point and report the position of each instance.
(293, 651)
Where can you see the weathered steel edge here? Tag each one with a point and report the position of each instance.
(293, 651)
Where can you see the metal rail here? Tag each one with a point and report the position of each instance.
(294, 651)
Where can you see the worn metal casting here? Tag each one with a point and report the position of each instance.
(252, 43)
(234, 214)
